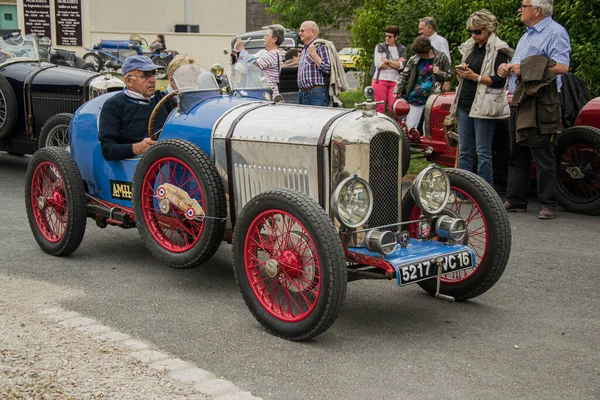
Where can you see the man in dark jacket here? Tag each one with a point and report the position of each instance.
(123, 121)
(547, 38)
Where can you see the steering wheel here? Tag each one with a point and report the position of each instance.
(155, 112)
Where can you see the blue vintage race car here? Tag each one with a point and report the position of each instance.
(310, 197)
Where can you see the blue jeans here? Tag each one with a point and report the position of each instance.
(318, 96)
(476, 134)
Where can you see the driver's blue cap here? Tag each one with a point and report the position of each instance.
(141, 63)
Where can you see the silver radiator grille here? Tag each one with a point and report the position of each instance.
(251, 180)
(383, 178)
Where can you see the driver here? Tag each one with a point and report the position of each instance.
(123, 127)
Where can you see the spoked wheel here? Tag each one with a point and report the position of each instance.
(161, 73)
(289, 264)
(93, 59)
(55, 131)
(179, 203)
(489, 234)
(578, 170)
(55, 201)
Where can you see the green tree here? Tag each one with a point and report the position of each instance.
(331, 13)
(580, 18)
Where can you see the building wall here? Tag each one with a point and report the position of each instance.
(118, 19)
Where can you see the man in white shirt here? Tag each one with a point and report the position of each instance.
(427, 29)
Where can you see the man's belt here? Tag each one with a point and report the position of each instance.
(310, 88)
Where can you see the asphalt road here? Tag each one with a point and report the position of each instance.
(533, 336)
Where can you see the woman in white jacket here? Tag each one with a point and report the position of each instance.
(481, 95)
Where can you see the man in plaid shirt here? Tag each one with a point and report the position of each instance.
(314, 68)
(544, 37)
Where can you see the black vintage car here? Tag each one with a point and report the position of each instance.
(37, 98)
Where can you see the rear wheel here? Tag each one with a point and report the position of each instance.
(55, 201)
(289, 264)
(93, 59)
(489, 234)
(161, 73)
(578, 170)
(55, 131)
(181, 234)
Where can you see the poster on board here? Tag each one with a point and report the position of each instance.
(67, 22)
(36, 14)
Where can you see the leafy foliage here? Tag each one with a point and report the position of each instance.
(331, 13)
(580, 18)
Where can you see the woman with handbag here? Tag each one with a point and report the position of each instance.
(480, 99)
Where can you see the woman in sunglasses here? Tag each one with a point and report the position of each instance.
(481, 95)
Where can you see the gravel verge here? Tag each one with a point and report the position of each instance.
(47, 352)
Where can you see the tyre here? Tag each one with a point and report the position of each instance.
(55, 131)
(9, 109)
(489, 234)
(93, 59)
(405, 153)
(89, 67)
(578, 170)
(289, 264)
(161, 73)
(180, 238)
(55, 201)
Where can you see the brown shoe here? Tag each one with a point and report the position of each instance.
(510, 207)
(546, 213)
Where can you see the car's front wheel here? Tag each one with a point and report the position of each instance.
(489, 234)
(55, 131)
(289, 264)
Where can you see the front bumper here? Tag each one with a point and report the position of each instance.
(419, 255)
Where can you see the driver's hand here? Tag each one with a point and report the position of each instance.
(143, 146)
(239, 45)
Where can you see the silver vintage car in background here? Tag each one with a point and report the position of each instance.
(310, 197)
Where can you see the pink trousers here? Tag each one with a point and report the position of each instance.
(384, 90)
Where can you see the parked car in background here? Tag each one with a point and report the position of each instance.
(309, 197)
(110, 54)
(254, 41)
(37, 98)
(349, 57)
(577, 151)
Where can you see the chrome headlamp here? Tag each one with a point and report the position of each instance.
(103, 84)
(352, 202)
(431, 190)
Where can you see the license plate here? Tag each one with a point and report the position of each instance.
(414, 272)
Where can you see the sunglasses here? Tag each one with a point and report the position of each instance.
(148, 74)
(474, 31)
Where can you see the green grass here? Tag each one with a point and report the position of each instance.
(351, 97)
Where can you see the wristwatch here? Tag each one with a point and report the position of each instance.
(479, 78)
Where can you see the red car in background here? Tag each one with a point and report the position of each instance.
(577, 151)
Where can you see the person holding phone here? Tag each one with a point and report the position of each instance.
(480, 99)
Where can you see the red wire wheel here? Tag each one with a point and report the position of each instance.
(55, 201)
(578, 169)
(289, 264)
(489, 235)
(175, 234)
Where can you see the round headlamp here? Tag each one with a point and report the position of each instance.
(353, 202)
(431, 189)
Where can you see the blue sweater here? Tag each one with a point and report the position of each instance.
(124, 121)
